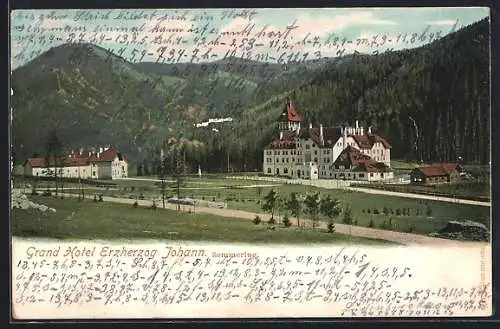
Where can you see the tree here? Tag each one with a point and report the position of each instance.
(330, 207)
(53, 148)
(270, 202)
(385, 210)
(294, 205)
(162, 177)
(312, 203)
(428, 211)
(347, 218)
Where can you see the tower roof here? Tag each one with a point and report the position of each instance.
(289, 113)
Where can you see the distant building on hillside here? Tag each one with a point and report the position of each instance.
(313, 153)
(107, 163)
(436, 174)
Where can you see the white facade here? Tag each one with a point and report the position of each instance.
(294, 160)
(93, 167)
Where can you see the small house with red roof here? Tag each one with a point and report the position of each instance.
(435, 174)
(304, 152)
(105, 163)
(351, 164)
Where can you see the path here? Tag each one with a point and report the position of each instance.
(359, 231)
(336, 184)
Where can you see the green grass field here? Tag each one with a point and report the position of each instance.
(89, 220)
(250, 199)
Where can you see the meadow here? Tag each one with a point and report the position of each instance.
(102, 220)
(379, 211)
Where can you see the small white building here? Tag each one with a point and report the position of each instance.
(107, 163)
(297, 148)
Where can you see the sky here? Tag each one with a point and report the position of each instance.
(201, 35)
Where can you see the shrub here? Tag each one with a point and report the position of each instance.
(375, 211)
(95, 198)
(272, 221)
(355, 222)
(331, 227)
(136, 204)
(257, 220)
(141, 197)
(47, 193)
(100, 198)
(368, 211)
(371, 224)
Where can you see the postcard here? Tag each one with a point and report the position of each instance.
(250, 163)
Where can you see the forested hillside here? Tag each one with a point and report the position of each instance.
(431, 103)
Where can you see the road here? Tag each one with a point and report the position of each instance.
(366, 232)
(419, 196)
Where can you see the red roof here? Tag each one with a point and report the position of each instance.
(106, 156)
(367, 140)
(440, 169)
(287, 142)
(352, 157)
(290, 114)
(77, 159)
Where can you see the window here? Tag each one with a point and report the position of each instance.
(361, 175)
(308, 146)
(269, 170)
(315, 159)
(285, 170)
(315, 152)
(371, 174)
(93, 173)
(286, 160)
(283, 160)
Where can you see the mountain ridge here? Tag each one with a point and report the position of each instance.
(137, 106)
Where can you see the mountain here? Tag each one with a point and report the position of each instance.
(432, 102)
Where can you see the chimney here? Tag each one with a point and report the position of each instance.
(298, 129)
(100, 149)
(281, 135)
(98, 154)
(357, 124)
(361, 130)
(321, 134)
(370, 129)
(310, 125)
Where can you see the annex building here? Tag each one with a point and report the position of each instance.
(348, 153)
(106, 163)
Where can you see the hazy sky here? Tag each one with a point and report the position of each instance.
(35, 31)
